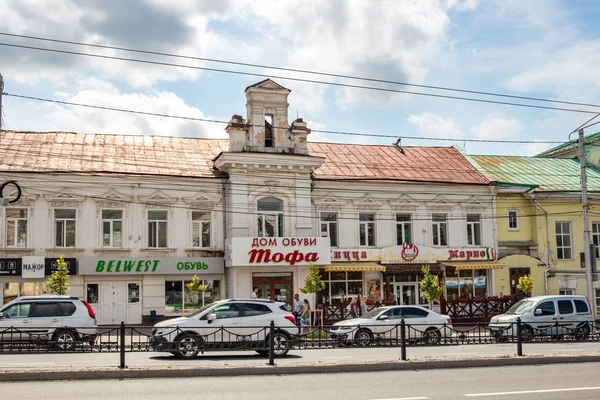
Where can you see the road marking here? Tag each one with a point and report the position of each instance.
(406, 398)
(532, 391)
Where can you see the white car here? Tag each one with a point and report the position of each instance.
(233, 324)
(556, 315)
(59, 320)
(384, 322)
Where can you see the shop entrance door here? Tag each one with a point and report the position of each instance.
(515, 275)
(406, 294)
(274, 286)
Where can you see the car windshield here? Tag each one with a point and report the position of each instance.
(520, 308)
(373, 313)
(200, 311)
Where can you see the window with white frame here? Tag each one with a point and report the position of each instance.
(513, 220)
(270, 217)
(112, 228)
(366, 229)
(16, 227)
(564, 244)
(566, 292)
(596, 237)
(403, 229)
(473, 230)
(64, 227)
(200, 229)
(157, 229)
(329, 227)
(439, 229)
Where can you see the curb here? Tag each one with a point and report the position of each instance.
(187, 372)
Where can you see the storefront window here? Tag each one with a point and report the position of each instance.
(12, 290)
(340, 286)
(32, 288)
(177, 297)
(472, 284)
(133, 293)
(92, 293)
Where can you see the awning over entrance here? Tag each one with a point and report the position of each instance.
(474, 266)
(356, 267)
(435, 268)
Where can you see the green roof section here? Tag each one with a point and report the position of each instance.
(570, 146)
(541, 174)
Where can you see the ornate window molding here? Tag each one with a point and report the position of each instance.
(367, 203)
(473, 204)
(157, 199)
(202, 201)
(404, 203)
(329, 202)
(441, 204)
(64, 199)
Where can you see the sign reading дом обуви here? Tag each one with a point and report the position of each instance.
(150, 265)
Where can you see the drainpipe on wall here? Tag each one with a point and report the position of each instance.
(547, 269)
(224, 191)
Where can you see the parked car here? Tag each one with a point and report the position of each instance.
(60, 320)
(227, 324)
(421, 324)
(545, 315)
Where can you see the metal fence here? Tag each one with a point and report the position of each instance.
(274, 341)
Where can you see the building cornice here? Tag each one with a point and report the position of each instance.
(276, 161)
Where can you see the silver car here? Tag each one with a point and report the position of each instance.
(60, 320)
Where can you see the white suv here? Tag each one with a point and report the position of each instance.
(60, 320)
(233, 324)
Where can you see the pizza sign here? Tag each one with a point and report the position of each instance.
(409, 251)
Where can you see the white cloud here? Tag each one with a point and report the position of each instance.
(432, 125)
(532, 149)
(497, 128)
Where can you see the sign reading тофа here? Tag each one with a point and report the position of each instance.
(280, 251)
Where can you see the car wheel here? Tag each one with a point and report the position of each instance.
(363, 337)
(432, 336)
(281, 343)
(526, 334)
(582, 332)
(65, 340)
(188, 346)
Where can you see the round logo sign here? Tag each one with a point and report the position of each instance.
(409, 251)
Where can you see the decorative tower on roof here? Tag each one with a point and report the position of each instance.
(267, 129)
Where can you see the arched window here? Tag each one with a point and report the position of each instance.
(270, 217)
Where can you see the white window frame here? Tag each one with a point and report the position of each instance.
(64, 232)
(471, 225)
(325, 226)
(563, 235)
(436, 226)
(156, 222)
(15, 221)
(516, 218)
(366, 228)
(111, 221)
(261, 217)
(404, 226)
(566, 292)
(200, 227)
(596, 237)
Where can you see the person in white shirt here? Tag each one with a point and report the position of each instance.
(254, 292)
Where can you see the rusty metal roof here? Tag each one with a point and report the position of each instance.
(543, 174)
(193, 157)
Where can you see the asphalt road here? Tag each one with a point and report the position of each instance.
(299, 356)
(549, 382)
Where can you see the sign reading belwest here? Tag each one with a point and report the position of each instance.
(280, 251)
(156, 266)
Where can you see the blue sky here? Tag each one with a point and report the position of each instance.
(548, 49)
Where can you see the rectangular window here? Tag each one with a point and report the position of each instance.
(513, 220)
(157, 229)
(564, 244)
(566, 292)
(112, 228)
(596, 237)
(403, 229)
(473, 230)
(366, 226)
(178, 300)
(16, 227)
(200, 229)
(439, 229)
(329, 227)
(64, 227)
(340, 287)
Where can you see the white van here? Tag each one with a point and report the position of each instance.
(545, 316)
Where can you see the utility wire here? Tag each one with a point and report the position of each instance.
(321, 73)
(337, 84)
(313, 130)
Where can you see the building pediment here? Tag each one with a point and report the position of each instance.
(329, 202)
(202, 200)
(404, 203)
(473, 204)
(157, 198)
(441, 203)
(367, 202)
(64, 198)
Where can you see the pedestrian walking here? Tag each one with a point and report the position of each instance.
(297, 310)
(363, 306)
(353, 307)
(304, 317)
(254, 293)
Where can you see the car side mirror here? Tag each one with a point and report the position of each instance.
(538, 312)
(383, 317)
(211, 318)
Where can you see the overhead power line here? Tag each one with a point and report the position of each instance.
(337, 84)
(321, 73)
(332, 132)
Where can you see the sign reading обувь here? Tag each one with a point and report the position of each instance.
(150, 265)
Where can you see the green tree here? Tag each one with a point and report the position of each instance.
(313, 282)
(58, 282)
(196, 286)
(431, 289)
(525, 284)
